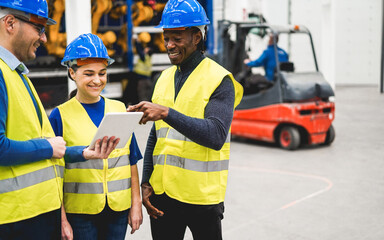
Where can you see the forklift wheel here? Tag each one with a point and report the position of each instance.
(289, 138)
(331, 134)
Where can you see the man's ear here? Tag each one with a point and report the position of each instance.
(197, 37)
(9, 23)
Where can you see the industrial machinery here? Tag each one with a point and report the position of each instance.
(297, 107)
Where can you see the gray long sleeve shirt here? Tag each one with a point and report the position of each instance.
(209, 132)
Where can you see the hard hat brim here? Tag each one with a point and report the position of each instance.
(50, 21)
(176, 27)
(23, 11)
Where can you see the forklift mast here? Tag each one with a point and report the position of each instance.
(231, 52)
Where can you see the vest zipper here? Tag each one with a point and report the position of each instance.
(105, 176)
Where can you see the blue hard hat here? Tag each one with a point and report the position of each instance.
(183, 13)
(86, 46)
(36, 7)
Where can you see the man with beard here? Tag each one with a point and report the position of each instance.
(187, 155)
(30, 154)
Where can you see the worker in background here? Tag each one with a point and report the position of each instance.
(101, 197)
(268, 59)
(143, 67)
(139, 87)
(30, 155)
(187, 155)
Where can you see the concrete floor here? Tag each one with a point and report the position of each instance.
(314, 193)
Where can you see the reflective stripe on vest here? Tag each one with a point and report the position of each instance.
(97, 188)
(118, 185)
(60, 171)
(190, 164)
(98, 163)
(175, 135)
(83, 188)
(26, 180)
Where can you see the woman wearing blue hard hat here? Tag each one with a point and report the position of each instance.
(101, 197)
(187, 155)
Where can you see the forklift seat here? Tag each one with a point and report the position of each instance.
(252, 83)
(287, 67)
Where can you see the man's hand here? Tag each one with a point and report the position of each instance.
(152, 111)
(103, 147)
(146, 192)
(246, 61)
(58, 146)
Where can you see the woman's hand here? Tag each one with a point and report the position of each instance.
(66, 229)
(103, 147)
(135, 217)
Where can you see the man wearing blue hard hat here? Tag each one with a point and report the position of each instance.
(187, 155)
(31, 163)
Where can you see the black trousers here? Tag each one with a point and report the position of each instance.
(46, 226)
(204, 221)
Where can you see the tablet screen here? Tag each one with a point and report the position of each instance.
(119, 124)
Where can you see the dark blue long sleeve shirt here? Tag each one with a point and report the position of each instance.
(268, 60)
(212, 131)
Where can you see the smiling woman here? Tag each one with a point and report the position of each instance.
(87, 59)
(77, 121)
(90, 80)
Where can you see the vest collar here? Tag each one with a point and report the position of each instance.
(191, 62)
(12, 62)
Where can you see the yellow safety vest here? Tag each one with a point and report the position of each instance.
(88, 184)
(183, 169)
(144, 67)
(31, 189)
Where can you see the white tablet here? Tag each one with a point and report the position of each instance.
(119, 124)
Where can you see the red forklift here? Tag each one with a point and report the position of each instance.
(293, 110)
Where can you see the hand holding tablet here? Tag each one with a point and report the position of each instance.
(102, 148)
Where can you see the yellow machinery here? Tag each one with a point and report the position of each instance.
(142, 13)
(56, 41)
